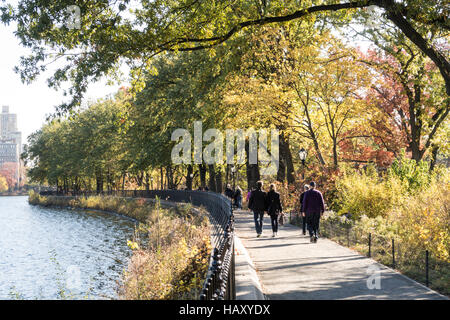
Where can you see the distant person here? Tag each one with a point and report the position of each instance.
(228, 191)
(237, 196)
(206, 189)
(258, 204)
(274, 208)
(313, 206)
(305, 188)
(249, 193)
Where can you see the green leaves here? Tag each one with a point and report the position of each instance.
(110, 33)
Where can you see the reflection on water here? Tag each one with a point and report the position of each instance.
(44, 249)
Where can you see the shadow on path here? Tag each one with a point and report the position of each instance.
(290, 267)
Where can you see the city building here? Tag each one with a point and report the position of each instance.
(10, 141)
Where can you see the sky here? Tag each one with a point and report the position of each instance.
(34, 102)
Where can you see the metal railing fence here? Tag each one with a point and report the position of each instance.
(413, 261)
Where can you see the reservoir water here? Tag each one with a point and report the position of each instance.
(50, 253)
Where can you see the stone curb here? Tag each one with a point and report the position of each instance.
(248, 286)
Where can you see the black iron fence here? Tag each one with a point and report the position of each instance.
(413, 261)
(220, 281)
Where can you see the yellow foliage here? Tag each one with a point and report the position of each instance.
(3, 184)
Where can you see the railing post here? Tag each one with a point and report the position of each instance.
(427, 280)
(370, 244)
(348, 236)
(393, 253)
(233, 275)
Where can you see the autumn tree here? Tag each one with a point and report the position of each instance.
(111, 32)
(8, 170)
(408, 91)
(3, 184)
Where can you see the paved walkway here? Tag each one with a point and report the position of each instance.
(290, 267)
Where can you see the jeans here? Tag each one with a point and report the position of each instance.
(274, 221)
(313, 219)
(258, 216)
(238, 202)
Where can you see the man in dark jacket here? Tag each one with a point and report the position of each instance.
(302, 196)
(258, 204)
(274, 208)
(313, 206)
(229, 192)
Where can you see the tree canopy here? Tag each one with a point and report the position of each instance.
(133, 32)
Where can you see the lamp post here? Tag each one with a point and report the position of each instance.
(233, 172)
(192, 181)
(302, 154)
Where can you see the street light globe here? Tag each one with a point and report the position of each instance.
(302, 154)
(233, 169)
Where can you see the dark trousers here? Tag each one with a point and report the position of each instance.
(304, 223)
(313, 219)
(238, 202)
(258, 216)
(274, 221)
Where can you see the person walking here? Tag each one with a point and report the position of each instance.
(249, 193)
(302, 196)
(274, 208)
(313, 206)
(238, 198)
(258, 204)
(228, 191)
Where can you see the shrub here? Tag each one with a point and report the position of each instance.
(414, 175)
(417, 220)
(175, 261)
(363, 193)
(424, 220)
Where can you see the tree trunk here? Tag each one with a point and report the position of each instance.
(281, 173)
(212, 178)
(188, 177)
(335, 154)
(409, 31)
(434, 153)
(202, 169)
(227, 174)
(286, 160)
(147, 181)
(253, 174)
(219, 186)
(170, 181)
(313, 136)
(99, 180)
